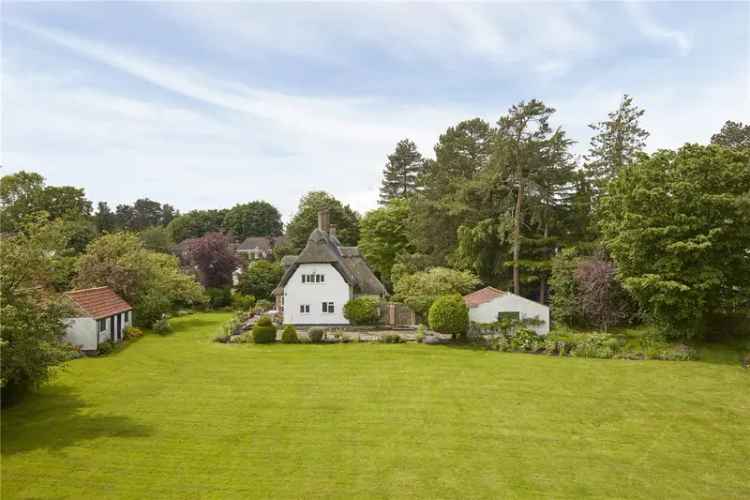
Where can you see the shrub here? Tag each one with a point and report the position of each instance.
(222, 337)
(264, 321)
(391, 339)
(242, 302)
(289, 335)
(364, 310)
(105, 348)
(449, 315)
(219, 297)
(264, 332)
(264, 305)
(132, 332)
(420, 289)
(525, 340)
(162, 326)
(248, 337)
(316, 335)
(746, 360)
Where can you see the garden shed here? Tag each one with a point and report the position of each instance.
(488, 304)
(99, 315)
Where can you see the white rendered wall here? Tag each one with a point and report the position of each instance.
(334, 289)
(81, 332)
(509, 302)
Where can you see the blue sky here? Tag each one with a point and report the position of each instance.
(204, 105)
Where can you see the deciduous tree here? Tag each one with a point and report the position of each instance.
(383, 236)
(678, 227)
(733, 135)
(305, 220)
(260, 279)
(141, 277)
(257, 218)
(213, 258)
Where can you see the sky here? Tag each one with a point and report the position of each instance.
(205, 104)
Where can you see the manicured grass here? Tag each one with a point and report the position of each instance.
(182, 417)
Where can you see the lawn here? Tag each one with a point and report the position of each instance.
(183, 417)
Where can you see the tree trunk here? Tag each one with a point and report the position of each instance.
(543, 276)
(517, 239)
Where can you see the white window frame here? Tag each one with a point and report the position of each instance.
(304, 308)
(328, 307)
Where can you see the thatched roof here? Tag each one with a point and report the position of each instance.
(321, 248)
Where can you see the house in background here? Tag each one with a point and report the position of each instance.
(322, 278)
(101, 315)
(486, 306)
(260, 247)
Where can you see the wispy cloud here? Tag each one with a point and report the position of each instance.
(649, 27)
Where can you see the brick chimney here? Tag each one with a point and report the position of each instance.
(323, 221)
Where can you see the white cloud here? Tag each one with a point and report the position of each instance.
(649, 27)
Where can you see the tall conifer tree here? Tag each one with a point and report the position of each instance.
(401, 172)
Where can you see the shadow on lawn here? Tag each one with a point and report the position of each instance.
(186, 323)
(54, 418)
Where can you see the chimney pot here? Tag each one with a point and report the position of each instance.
(323, 223)
(332, 230)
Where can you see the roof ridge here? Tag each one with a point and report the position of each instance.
(86, 289)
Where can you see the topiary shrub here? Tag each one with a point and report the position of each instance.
(316, 335)
(363, 310)
(264, 332)
(449, 315)
(289, 335)
(162, 326)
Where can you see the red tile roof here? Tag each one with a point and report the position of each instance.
(482, 296)
(98, 302)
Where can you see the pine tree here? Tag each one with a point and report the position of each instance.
(401, 172)
(616, 143)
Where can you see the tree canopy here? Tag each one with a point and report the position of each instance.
(616, 143)
(212, 256)
(305, 220)
(196, 223)
(260, 279)
(401, 172)
(151, 282)
(32, 325)
(733, 135)
(678, 226)
(257, 218)
(383, 236)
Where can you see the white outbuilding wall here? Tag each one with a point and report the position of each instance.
(509, 302)
(82, 332)
(333, 289)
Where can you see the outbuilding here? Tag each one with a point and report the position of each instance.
(489, 304)
(100, 315)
